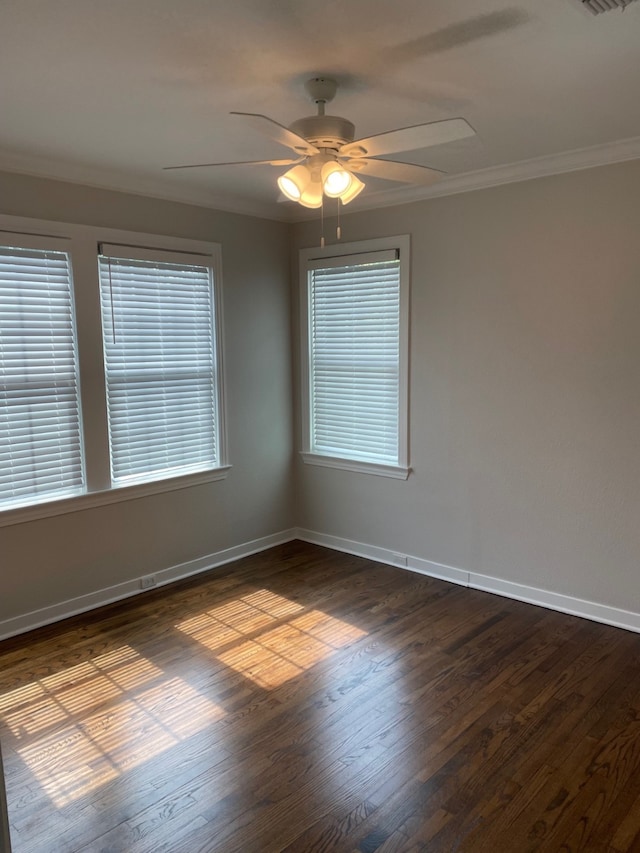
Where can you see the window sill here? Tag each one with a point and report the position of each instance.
(396, 472)
(118, 494)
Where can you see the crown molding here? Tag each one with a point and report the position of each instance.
(142, 185)
(492, 176)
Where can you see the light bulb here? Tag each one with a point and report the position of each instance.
(288, 187)
(335, 179)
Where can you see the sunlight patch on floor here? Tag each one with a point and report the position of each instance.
(84, 726)
(268, 638)
(220, 626)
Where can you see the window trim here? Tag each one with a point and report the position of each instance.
(117, 494)
(82, 242)
(309, 258)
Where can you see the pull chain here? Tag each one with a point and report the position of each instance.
(322, 223)
(338, 228)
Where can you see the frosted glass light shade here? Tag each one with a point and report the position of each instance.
(355, 188)
(335, 179)
(312, 196)
(294, 182)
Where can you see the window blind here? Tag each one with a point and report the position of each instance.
(40, 442)
(160, 364)
(354, 346)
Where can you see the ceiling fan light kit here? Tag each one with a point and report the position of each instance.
(322, 174)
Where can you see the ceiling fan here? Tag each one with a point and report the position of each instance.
(329, 159)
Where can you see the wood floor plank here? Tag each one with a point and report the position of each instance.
(303, 700)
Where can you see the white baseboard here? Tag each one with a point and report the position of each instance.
(383, 555)
(118, 592)
(558, 601)
(509, 589)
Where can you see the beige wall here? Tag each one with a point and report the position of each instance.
(52, 560)
(525, 389)
(525, 397)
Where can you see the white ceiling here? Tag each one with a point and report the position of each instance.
(107, 92)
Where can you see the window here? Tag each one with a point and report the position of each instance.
(134, 321)
(40, 436)
(355, 317)
(160, 363)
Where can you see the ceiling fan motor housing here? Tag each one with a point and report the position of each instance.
(324, 131)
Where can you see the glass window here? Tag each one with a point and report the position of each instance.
(40, 433)
(159, 335)
(354, 308)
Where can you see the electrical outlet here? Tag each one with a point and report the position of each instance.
(148, 582)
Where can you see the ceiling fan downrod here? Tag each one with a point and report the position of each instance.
(321, 90)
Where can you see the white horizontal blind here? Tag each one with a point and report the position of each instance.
(354, 347)
(160, 363)
(40, 440)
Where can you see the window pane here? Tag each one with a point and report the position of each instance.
(158, 322)
(40, 443)
(354, 344)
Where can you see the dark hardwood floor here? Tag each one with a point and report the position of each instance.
(305, 700)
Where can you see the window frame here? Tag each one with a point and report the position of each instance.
(153, 257)
(58, 246)
(83, 242)
(351, 251)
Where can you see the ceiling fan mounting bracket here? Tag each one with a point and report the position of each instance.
(321, 90)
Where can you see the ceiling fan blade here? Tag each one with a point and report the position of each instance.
(281, 134)
(289, 162)
(409, 138)
(391, 170)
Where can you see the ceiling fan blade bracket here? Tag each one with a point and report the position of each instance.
(279, 133)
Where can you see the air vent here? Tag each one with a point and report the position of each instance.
(596, 7)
